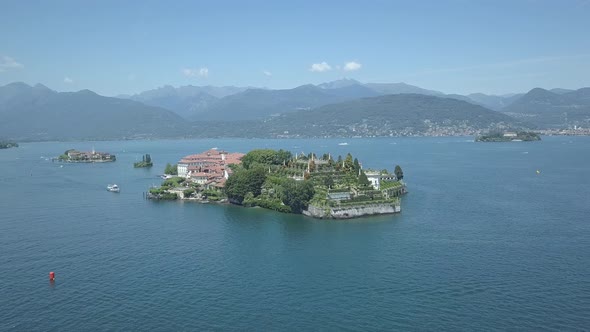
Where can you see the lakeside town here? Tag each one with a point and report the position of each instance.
(433, 130)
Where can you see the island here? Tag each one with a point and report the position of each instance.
(8, 145)
(146, 162)
(508, 136)
(75, 156)
(318, 186)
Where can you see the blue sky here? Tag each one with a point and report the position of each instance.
(115, 47)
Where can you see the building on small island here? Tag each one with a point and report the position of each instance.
(93, 156)
(210, 168)
(508, 136)
(320, 187)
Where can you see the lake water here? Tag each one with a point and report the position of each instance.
(483, 242)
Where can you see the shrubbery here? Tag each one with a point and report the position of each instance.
(188, 192)
(173, 182)
(161, 193)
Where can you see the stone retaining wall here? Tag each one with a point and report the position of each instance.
(351, 212)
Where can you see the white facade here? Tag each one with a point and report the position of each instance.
(376, 177)
(183, 170)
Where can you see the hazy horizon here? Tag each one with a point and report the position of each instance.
(508, 94)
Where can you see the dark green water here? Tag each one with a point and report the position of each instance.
(483, 242)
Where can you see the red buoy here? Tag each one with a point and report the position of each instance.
(51, 276)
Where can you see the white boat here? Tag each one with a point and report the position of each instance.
(113, 188)
(344, 143)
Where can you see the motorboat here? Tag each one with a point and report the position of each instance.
(113, 188)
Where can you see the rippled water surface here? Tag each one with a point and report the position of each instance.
(483, 242)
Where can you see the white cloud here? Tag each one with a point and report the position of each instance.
(352, 66)
(320, 67)
(194, 72)
(68, 80)
(267, 73)
(7, 62)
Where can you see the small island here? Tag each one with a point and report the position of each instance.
(74, 156)
(8, 145)
(146, 162)
(317, 186)
(508, 136)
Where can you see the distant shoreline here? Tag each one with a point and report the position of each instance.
(544, 132)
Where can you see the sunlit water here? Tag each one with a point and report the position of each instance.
(483, 242)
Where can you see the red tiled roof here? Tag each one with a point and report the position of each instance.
(212, 165)
(202, 174)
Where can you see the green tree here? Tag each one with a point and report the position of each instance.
(146, 161)
(296, 194)
(265, 157)
(328, 181)
(245, 181)
(399, 174)
(260, 156)
(330, 162)
(348, 163)
(282, 156)
(171, 169)
(188, 192)
(236, 187)
(363, 180)
(356, 165)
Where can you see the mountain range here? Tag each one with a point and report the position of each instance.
(343, 107)
(247, 103)
(553, 109)
(186, 101)
(390, 115)
(39, 113)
